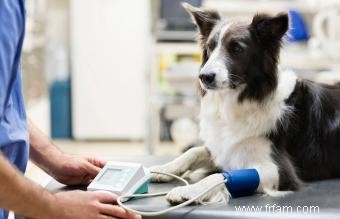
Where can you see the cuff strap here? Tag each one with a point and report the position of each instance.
(241, 182)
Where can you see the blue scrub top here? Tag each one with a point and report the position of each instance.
(13, 125)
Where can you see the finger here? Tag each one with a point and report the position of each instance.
(100, 163)
(114, 211)
(96, 162)
(87, 180)
(106, 197)
(107, 217)
(92, 169)
(131, 215)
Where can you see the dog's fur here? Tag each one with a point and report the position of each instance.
(255, 116)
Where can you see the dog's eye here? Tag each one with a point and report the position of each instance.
(235, 47)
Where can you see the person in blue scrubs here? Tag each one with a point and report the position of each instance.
(20, 140)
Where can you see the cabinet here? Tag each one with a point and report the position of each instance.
(110, 42)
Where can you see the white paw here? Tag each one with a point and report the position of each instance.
(275, 193)
(155, 177)
(183, 193)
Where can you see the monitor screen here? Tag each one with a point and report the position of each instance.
(110, 176)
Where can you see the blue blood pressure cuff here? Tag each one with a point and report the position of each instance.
(241, 182)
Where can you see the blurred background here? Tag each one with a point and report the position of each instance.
(117, 77)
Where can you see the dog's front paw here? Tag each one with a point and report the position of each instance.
(157, 177)
(183, 193)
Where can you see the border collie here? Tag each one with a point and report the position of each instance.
(253, 115)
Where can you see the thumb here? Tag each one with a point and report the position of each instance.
(92, 169)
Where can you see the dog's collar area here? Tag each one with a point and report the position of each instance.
(242, 182)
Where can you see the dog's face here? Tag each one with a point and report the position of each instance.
(239, 55)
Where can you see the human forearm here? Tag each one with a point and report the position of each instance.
(22, 195)
(42, 151)
(30, 200)
(67, 169)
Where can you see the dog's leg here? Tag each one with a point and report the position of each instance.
(196, 175)
(218, 195)
(194, 158)
(269, 180)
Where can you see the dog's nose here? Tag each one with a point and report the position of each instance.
(207, 79)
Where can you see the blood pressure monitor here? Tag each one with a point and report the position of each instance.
(131, 180)
(122, 178)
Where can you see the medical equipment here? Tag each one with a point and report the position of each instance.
(130, 180)
(122, 178)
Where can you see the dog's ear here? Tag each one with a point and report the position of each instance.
(205, 20)
(271, 27)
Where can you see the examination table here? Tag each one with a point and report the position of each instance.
(320, 200)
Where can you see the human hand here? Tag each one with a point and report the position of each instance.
(87, 205)
(74, 170)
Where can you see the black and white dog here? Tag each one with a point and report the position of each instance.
(253, 115)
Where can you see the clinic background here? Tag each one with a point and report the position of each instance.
(117, 77)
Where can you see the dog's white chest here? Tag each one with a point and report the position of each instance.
(234, 134)
(231, 150)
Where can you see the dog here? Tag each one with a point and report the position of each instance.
(254, 115)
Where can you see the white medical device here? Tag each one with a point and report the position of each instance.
(122, 178)
(131, 180)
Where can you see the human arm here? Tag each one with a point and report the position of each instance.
(66, 169)
(16, 192)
